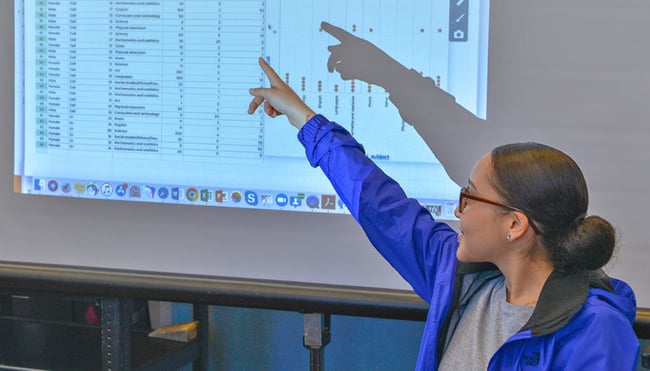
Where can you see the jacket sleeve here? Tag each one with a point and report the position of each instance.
(422, 250)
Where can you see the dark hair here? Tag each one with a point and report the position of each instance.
(549, 187)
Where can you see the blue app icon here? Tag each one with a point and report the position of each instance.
(121, 189)
(312, 202)
(163, 193)
(295, 201)
(176, 193)
(38, 184)
(281, 200)
(251, 198)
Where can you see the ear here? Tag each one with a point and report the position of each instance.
(517, 225)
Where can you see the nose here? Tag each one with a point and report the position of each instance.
(457, 212)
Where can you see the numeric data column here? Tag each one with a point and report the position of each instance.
(173, 80)
(223, 41)
(240, 42)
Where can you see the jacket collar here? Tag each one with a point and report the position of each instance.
(562, 296)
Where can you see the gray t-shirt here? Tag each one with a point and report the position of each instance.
(489, 320)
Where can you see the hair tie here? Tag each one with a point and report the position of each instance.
(578, 219)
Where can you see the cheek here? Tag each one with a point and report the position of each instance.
(478, 239)
(475, 250)
(469, 248)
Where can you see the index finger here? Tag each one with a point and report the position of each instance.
(273, 77)
(339, 33)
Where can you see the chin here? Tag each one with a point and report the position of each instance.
(464, 257)
(461, 256)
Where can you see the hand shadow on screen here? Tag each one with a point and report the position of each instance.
(455, 136)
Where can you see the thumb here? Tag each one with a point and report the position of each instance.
(259, 92)
(259, 95)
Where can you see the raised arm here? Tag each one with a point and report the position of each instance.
(401, 229)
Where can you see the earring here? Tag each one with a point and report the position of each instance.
(508, 237)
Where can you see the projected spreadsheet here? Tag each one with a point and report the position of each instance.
(154, 94)
(147, 79)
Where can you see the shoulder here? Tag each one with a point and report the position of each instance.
(602, 332)
(604, 308)
(598, 312)
(603, 323)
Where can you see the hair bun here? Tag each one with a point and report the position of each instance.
(588, 245)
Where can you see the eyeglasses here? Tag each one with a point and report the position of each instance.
(465, 195)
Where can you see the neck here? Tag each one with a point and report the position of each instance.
(525, 280)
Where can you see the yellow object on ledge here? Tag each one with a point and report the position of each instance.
(184, 332)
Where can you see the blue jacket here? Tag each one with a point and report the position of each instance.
(582, 321)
